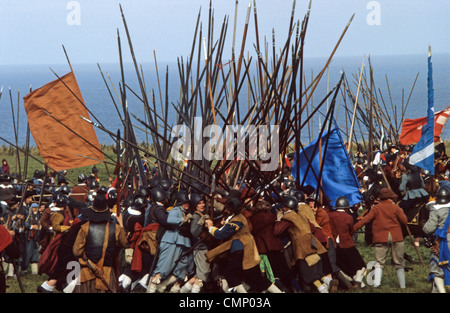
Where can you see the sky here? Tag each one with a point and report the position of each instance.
(34, 31)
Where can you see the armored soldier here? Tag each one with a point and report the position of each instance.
(141, 249)
(200, 247)
(305, 246)
(174, 260)
(96, 247)
(240, 248)
(437, 226)
(412, 185)
(31, 248)
(81, 190)
(347, 255)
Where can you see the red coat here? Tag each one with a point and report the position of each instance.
(323, 219)
(387, 218)
(342, 227)
(263, 223)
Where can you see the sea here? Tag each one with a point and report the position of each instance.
(400, 82)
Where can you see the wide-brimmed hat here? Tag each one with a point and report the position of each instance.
(99, 210)
(7, 192)
(387, 193)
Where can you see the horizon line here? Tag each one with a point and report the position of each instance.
(175, 62)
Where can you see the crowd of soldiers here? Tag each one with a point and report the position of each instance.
(163, 237)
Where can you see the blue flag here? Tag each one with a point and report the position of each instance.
(423, 152)
(338, 175)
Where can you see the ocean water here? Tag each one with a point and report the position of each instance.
(401, 72)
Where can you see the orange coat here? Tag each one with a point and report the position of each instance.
(387, 217)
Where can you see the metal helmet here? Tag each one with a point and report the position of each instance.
(94, 185)
(291, 192)
(289, 183)
(158, 194)
(112, 197)
(60, 199)
(290, 203)
(300, 196)
(342, 203)
(139, 202)
(144, 191)
(36, 174)
(443, 196)
(182, 197)
(165, 183)
(82, 178)
(64, 189)
(195, 199)
(104, 189)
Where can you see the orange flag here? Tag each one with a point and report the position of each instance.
(60, 147)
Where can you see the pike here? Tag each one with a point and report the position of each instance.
(354, 110)
(129, 133)
(15, 132)
(110, 94)
(321, 133)
(329, 60)
(76, 97)
(150, 154)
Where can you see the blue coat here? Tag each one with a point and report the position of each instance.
(172, 235)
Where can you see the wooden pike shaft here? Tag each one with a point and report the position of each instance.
(354, 110)
(328, 61)
(150, 154)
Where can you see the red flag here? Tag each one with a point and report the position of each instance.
(62, 148)
(412, 128)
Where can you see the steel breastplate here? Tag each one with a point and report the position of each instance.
(414, 181)
(94, 243)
